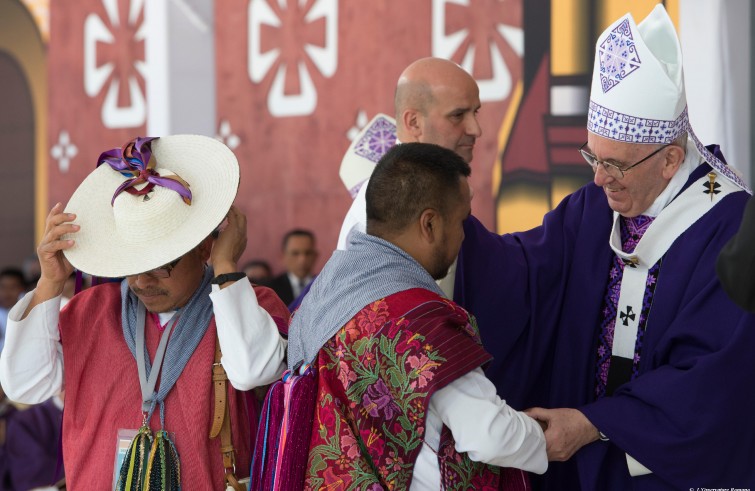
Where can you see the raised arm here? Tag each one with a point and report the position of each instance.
(253, 349)
(31, 365)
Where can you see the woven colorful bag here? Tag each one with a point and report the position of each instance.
(282, 448)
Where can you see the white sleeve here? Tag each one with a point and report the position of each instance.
(356, 217)
(31, 364)
(487, 428)
(253, 350)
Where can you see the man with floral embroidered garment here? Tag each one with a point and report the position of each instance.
(146, 213)
(611, 311)
(402, 402)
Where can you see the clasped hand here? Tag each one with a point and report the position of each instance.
(566, 431)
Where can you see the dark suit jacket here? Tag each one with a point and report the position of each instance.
(282, 287)
(736, 263)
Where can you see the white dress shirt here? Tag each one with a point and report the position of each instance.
(31, 365)
(355, 219)
(483, 425)
(298, 284)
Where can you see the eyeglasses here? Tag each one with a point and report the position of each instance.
(163, 271)
(612, 169)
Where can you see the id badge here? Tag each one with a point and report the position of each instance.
(121, 448)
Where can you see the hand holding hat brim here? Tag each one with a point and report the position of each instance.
(140, 233)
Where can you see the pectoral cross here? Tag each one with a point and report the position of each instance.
(711, 187)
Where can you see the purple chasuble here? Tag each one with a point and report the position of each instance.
(632, 230)
(539, 298)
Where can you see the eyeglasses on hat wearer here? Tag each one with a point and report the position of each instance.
(612, 169)
(163, 271)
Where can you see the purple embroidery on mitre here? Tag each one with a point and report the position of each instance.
(377, 140)
(622, 127)
(718, 165)
(614, 125)
(618, 56)
(355, 189)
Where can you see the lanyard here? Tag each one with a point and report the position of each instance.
(147, 385)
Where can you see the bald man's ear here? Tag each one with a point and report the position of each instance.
(412, 122)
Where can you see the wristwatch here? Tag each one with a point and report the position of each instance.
(226, 277)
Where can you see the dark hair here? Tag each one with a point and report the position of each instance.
(410, 178)
(300, 232)
(14, 273)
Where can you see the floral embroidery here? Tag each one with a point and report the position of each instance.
(370, 318)
(422, 368)
(345, 374)
(378, 399)
(375, 380)
(350, 445)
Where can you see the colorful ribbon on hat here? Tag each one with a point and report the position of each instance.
(135, 161)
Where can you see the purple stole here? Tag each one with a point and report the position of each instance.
(613, 371)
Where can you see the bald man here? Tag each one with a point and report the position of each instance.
(436, 102)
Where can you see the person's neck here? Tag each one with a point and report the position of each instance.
(408, 243)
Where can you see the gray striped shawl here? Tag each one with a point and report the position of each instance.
(370, 269)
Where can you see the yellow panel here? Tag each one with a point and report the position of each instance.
(562, 186)
(522, 208)
(40, 10)
(19, 36)
(609, 11)
(672, 7)
(569, 37)
(505, 132)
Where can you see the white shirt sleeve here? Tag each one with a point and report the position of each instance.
(31, 364)
(253, 350)
(487, 428)
(356, 218)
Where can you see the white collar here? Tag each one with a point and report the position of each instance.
(692, 160)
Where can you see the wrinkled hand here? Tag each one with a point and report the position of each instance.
(567, 430)
(230, 244)
(55, 268)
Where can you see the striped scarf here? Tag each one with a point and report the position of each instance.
(370, 269)
(188, 332)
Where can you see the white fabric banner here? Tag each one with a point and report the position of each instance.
(715, 37)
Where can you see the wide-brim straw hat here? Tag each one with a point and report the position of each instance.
(136, 234)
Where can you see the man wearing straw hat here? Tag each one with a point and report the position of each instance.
(611, 310)
(146, 213)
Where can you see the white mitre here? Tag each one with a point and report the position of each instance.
(637, 93)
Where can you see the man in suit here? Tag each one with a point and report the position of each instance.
(299, 257)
